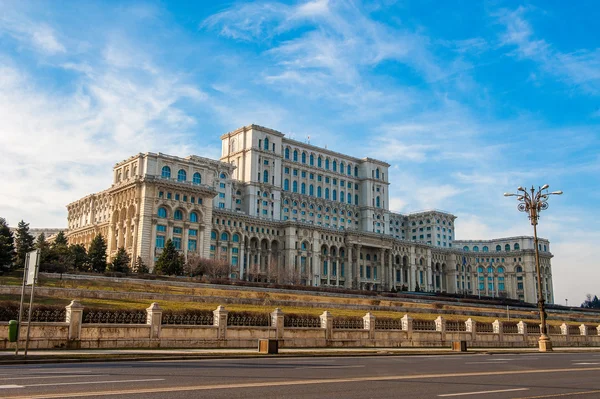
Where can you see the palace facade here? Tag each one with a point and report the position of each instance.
(278, 209)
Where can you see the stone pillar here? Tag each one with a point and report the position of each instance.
(220, 321)
(154, 320)
(471, 327)
(440, 325)
(369, 324)
(498, 329)
(74, 317)
(522, 328)
(564, 329)
(349, 271)
(407, 324)
(241, 261)
(391, 277)
(583, 329)
(277, 322)
(327, 324)
(598, 329)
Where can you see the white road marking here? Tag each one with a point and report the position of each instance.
(485, 362)
(52, 376)
(65, 371)
(11, 386)
(329, 367)
(483, 392)
(584, 364)
(93, 382)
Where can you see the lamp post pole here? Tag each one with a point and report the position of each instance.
(533, 204)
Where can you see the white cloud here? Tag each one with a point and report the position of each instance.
(580, 68)
(34, 34)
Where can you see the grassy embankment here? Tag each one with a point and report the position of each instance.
(198, 300)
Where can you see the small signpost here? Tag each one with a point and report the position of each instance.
(30, 274)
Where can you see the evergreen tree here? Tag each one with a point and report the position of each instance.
(120, 263)
(591, 303)
(23, 243)
(170, 262)
(78, 257)
(7, 246)
(97, 254)
(47, 258)
(60, 239)
(60, 253)
(140, 266)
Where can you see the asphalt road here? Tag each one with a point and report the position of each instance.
(485, 376)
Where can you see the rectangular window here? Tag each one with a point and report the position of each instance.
(266, 162)
(311, 176)
(161, 228)
(192, 245)
(177, 242)
(177, 230)
(221, 205)
(286, 170)
(221, 195)
(375, 273)
(193, 232)
(161, 194)
(368, 271)
(235, 250)
(295, 172)
(303, 174)
(326, 179)
(319, 178)
(169, 196)
(222, 185)
(185, 198)
(234, 260)
(160, 241)
(193, 200)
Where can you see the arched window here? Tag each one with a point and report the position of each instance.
(266, 144)
(335, 166)
(368, 256)
(166, 172)
(327, 163)
(319, 191)
(326, 193)
(193, 217)
(484, 249)
(377, 173)
(223, 175)
(181, 175)
(295, 186)
(287, 153)
(342, 167)
(303, 246)
(498, 248)
(311, 190)
(545, 248)
(319, 162)
(213, 235)
(286, 185)
(466, 249)
(311, 160)
(356, 171)
(475, 248)
(178, 215)
(197, 179)
(516, 246)
(295, 156)
(303, 188)
(378, 202)
(349, 198)
(349, 169)
(334, 195)
(303, 157)
(265, 176)
(162, 212)
(519, 269)
(490, 269)
(500, 270)
(507, 247)
(480, 269)
(342, 196)
(224, 236)
(355, 199)
(236, 238)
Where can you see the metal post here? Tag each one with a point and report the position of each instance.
(25, 270)
(544, 342)
(31, 303)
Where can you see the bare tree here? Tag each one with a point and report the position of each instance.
(215, 268)
(273, 270)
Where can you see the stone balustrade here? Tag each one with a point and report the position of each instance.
(348, 332)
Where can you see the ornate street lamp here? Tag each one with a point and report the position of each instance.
(533, 204)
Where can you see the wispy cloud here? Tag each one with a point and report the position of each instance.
(580, 68)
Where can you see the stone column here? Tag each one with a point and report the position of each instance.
(382, 273)
(220, 321)
(185, 239)
(327, 324)
(564, 330)
(369, 324)
(241, 260)
(598, 329)
(522, 328)
(407, 325)
(498, 329)
(583, 329)
(74, 317)
(471, 327)
(277, 322)
(349, 271)
(440, 325)
(154, 320)
(358, 265)
(391, 277)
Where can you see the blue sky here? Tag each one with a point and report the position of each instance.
(466, 100)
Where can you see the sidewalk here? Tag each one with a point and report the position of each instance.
(104, 355)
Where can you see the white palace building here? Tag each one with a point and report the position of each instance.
(278, 209)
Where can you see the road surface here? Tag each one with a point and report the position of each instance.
(552, 375)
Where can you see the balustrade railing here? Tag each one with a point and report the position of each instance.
(385, 323)
(533, 329)
(301, 321)
(194, 318)
(114, 316)
(456, 326)
(485, 327)
(249, 319)
(423, 325)
(348, 323)
(552, 329)
(510, 328)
